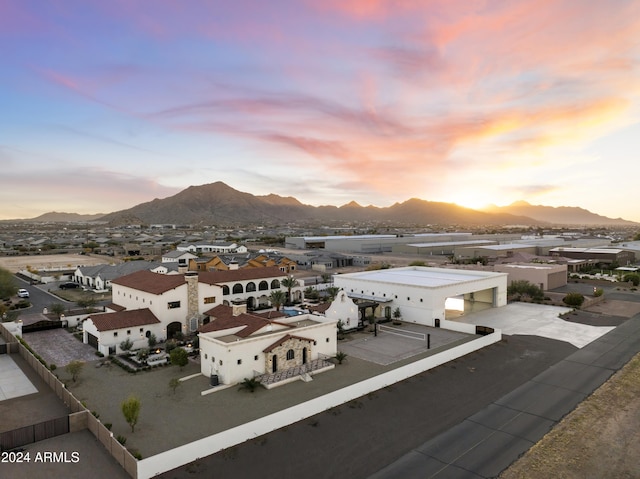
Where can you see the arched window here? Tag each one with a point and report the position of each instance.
(251, 287)
(237, 288)
(225, 290)
(275, 284)
(290, 355)
(263, 286)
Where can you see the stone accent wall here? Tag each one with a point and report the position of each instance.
(192, 298)
(281, 353)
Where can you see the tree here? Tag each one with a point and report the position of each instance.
(277, 298)
(8, 286)
(573, 299)
(131, 410)
(126, 345)
(310, 293)
(57, 309)
(179, 357)
(174, 383)
(525, 288)
(633, 278)
(332, 292)
(152, 340)
(249, 384)
(340, 356)
(74, 368)
(289, 282)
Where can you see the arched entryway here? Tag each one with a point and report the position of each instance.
(173, 329)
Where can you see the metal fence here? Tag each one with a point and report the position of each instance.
(34, 433)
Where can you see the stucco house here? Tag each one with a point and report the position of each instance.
(180, 257)
(179, 301)
(107, 331)
(235, 345)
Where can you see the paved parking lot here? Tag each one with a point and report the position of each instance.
(395, 343)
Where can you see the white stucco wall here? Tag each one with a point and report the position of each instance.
(420, 301)
(137, 334)
(246, 350)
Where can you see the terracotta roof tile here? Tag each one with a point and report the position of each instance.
(150, 282)
(223, 318)
(217, 277)
(123, 319)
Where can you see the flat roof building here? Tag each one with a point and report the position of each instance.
(422, 293)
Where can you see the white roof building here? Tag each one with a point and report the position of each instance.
(422, 293)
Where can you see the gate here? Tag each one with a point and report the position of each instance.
(41, 326)
(34, 433)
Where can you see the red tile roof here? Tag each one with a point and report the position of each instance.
(150, 282)
(245, 274)
(222, 318)
(123, 319)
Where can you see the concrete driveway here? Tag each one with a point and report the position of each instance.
(536, 320)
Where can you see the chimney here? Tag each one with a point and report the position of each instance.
(233, 265)
(239, 307)
(191, 278)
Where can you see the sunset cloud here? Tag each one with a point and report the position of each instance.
(374, 100)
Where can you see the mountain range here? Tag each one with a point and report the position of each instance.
(220, 204)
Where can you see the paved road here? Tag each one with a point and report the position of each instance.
(486, 443)
(359, 438)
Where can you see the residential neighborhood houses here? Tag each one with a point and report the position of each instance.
(222, 301)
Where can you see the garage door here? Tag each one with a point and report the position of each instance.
(92, 340)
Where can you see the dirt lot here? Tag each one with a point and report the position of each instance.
(599, 439)
(16, 263)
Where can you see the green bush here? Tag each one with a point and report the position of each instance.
(573, 299)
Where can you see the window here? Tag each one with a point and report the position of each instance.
(290, 355)
(251, 287)
(209, 300)
(237, 288)
(115, 334)
(205, 356)
(263, 286)
(225, 290)
(275, 284)
(327, 339)
(255, 358)
(173, 304)
(239, 361)
(221, 362)
(128, 331)
(213, 360)
(142, 330)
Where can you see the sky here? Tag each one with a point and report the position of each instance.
(108, 104)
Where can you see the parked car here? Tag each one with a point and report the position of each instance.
(69, 285)
(23, 293)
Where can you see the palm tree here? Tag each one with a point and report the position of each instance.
(249, 384)
(277, 298)
(289, 282)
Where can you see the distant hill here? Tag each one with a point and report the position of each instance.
(56, 217)
(218, 203)
(561, 215)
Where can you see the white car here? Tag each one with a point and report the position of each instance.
(23, 293)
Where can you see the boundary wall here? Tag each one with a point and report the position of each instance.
(79, 418)
(187, 453)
